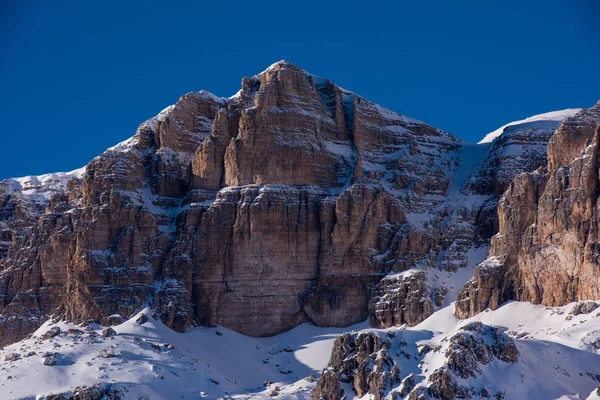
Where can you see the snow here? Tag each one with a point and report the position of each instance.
(39, 189)
(401, 275)
(200, 357)
(124, 146)
(418, 219)
(556, 116)
(393, 116)
(282, 63)
(339, 148)
(159, 117)
(204, 94)
(555, 361)
(236, 95)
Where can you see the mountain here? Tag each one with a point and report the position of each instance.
(545, 251)
(294, 207)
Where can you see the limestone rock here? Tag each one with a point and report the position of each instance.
(286, 203)
(401, 299)
(328, 387)
(99, 391)
(363, 360)
(473, 346)
(545, 251)
(584, 307)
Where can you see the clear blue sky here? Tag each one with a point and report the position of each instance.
(75, 80)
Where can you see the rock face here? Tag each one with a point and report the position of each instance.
(328, 387)
(286, 203)
(546, 249)
(518, 147)
(401, 299)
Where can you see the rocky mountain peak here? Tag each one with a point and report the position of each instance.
(285, 203)
(298, 201)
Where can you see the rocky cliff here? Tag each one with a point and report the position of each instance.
(285, 203)
(546, 250)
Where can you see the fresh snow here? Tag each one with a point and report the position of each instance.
(556, 116)
(39, 189)
(557, 359)
(204, 363)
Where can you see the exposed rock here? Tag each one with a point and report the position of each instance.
(142, 319)
(408, 384)
(546, 249)
(584, 307)
(50, 361)
(12, 357)
(328, 387)
(286, 203)
(483, 290)
(52, 332)
(114, 320)
(108, 332)
(443, 385)
(469, 349)
(99, 391)
(363, 360)
(401, 299)
(474, 345)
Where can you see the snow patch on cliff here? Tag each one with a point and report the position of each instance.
(39, 189)
(555, 116)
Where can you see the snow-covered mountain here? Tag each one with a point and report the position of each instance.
(291, 212)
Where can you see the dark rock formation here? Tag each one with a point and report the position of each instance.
(364, 360)
(328, 387)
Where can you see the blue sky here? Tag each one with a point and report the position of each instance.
(75, 80)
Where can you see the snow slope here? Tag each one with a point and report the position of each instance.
(557, 358)
(205, 362)
(554, 117)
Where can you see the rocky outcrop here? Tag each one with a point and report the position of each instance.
(362, 359)
(286, 203)
(371, 362)
(546, 249)
(584, 307)
(401, 299)
(328, 387)
(474, 346)
(95, 392)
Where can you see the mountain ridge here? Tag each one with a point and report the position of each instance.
(292, 201)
